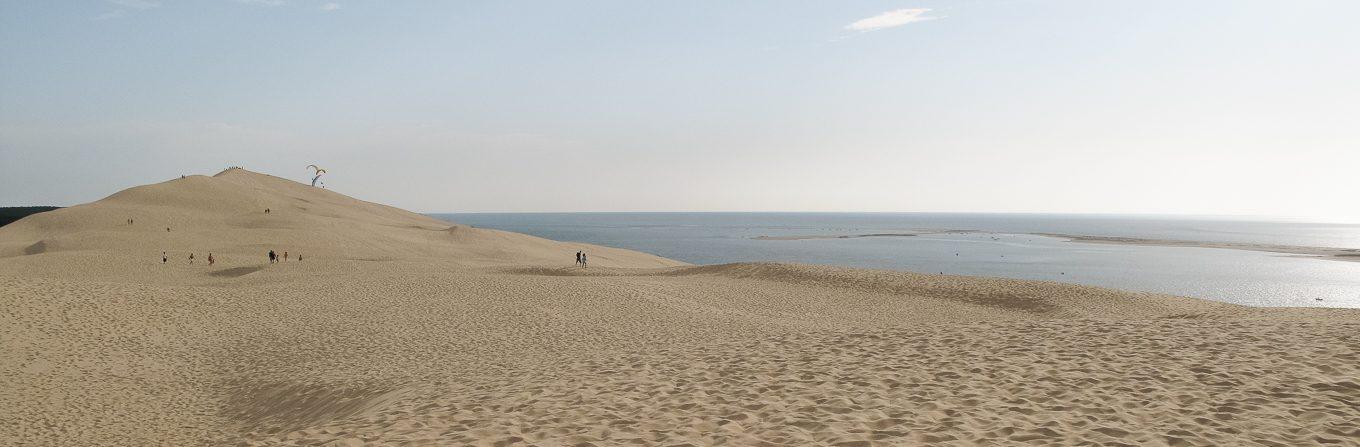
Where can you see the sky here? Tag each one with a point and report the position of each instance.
(1244, 108)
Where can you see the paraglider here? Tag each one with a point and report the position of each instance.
(319, 171)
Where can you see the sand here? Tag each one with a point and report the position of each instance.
(399, 329)
(1333, 253)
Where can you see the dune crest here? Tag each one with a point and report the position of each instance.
(226, 213)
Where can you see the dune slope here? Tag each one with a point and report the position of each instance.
(402, 329)
(226, 214)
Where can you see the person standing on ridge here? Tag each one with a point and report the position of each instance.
(584, 264)
(578, 258)
(272, 257)
(191, 259)
(164, 258)
(211, 261)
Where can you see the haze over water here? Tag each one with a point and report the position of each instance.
(1003, 248)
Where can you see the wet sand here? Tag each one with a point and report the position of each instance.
(1340, 254)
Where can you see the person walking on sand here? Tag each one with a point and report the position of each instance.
(164, 258)
(191, 259)
(272, 257)
(211, 261)
(578, 258)
(584, 264)
(285, 256)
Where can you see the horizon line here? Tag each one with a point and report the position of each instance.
(1296, 219)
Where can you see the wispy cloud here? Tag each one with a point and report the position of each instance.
(136, 4)
(330, 6)
(890, 19)
(262, 2)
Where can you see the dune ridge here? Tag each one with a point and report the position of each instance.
(400, 329)
(225, 213)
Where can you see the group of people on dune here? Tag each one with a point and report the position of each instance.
(581, 259)
(275, 257)
(211, 259)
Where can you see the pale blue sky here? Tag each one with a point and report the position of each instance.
(1179, 107)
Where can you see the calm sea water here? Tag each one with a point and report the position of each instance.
(1004, 248)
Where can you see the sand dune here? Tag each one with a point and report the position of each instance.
(225, 214)
(402, 329)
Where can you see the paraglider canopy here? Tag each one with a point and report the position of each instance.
(319, 171)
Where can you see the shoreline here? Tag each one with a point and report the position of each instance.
(862, 235)
(829, 236)
(1331, 253)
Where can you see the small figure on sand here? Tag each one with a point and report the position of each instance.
(578, 258)
(164, 258)
(167, 229)
(266, 210)
(299, 257)
(584, 264)
(285, 255)
(211, 260)
(191, 259)
(273, 257)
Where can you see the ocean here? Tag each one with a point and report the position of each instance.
(1000, 245)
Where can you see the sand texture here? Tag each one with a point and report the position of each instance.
(399, 329)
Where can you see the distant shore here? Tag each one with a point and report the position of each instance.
(11, 214)
(830, 236)
(1334, 253)
(1340, 254)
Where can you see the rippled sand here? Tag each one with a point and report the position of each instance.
(399, 330)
